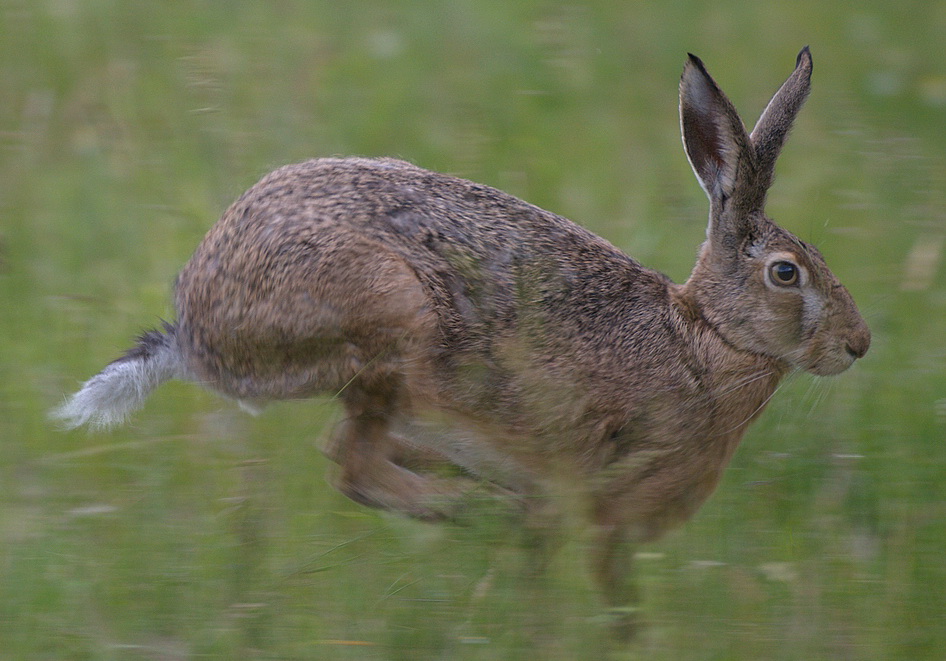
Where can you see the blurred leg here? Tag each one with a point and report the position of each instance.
(611, 564)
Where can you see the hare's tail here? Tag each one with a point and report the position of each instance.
(110, 396)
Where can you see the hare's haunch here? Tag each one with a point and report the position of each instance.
(460, 325)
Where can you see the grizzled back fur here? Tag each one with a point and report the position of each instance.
(459, 325)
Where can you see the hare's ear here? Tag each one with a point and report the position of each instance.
(714, 137)
(773, 126)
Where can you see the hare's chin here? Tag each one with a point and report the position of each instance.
(830, 365)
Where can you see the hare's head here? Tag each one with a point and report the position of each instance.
(761, 287)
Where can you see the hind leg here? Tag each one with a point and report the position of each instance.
(369, 458)
(400, 450)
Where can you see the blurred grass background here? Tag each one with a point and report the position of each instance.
(198, 532)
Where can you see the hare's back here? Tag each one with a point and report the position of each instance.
(325, 262)
(400, 203)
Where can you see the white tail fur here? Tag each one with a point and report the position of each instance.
(110, 396)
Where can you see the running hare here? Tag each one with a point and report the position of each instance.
(460, 325)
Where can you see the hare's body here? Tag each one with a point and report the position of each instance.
(461, 325)
(376, 277)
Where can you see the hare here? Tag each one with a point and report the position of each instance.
(460, 325)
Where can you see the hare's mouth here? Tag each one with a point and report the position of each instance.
(829, 363)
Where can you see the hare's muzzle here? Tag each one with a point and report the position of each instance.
(858, 342)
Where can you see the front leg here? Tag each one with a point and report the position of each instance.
(612, 568)
(636, 500)
(629, 502)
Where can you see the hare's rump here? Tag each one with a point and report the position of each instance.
(358, 313)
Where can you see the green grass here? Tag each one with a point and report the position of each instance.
(198, 532)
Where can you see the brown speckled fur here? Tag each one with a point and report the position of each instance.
(458, 324)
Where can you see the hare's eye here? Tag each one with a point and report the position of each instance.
(784, 273)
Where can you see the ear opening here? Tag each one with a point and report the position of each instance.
(714, 137)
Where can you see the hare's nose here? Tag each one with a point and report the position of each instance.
(859, 342)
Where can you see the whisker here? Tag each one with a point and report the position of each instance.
(751, 415)
(818, 391)
(751, 378)
(761, 406)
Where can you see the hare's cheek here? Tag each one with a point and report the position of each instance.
(812, 313)
(786, 327)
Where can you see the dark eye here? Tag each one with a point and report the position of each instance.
(783, 273)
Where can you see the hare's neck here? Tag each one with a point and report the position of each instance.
(740, 385)
(739, 382)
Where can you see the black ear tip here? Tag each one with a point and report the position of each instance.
(694, 61)
(804, 56)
